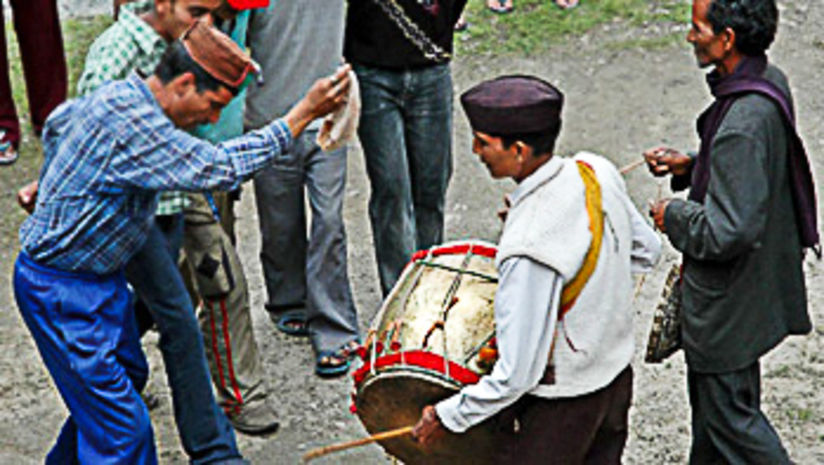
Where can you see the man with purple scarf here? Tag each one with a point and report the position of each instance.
(743, 229)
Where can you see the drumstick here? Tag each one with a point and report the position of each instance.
(627, 168)
(321, 451)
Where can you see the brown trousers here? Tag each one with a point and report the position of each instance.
(590, 429)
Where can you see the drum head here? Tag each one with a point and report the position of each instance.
(392, 400)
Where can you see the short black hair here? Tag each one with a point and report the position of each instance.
(754, 22)
(541, 142)
(176, 61)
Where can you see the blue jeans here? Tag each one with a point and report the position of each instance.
(205, 433)
(406, 133)
(299, 273)
(85, 331)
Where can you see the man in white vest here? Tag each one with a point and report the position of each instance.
(561, 387)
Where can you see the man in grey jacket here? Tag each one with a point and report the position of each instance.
(295, 42)
(750, 212)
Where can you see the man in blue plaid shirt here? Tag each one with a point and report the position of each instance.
(107, 156)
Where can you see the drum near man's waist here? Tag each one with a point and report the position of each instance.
(433, 335)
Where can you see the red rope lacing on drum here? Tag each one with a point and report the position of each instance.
(476, 249)
(418, 358)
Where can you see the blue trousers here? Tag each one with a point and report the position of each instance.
(406, 133)
(205, 432)
(85, 330)
(307, 273)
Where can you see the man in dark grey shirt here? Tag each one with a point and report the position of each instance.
(741, 231)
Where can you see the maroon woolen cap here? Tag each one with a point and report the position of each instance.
(513, 105)
(218, 54)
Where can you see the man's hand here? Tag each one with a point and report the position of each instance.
(656, 211)
(429, 428)
(663, 160)
(325, 96)
(27, 196)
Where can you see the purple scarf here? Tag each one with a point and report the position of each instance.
(747, 78)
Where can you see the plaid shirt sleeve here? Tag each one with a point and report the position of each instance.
(129, 44)
(152, 154)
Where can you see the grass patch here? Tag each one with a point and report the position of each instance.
(535, 25)
(78, 34)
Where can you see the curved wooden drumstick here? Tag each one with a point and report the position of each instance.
(627, 168)
(321, 451)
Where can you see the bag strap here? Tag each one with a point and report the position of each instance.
(430, 50)
(595, 212)
(573, 289)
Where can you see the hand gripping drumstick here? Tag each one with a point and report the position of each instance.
(321, 451)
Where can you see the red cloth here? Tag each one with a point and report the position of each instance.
(44, 64)
(217, 54)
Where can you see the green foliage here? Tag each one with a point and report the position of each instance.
(78, 34)
(535, 25)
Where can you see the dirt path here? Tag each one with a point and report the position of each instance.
(618, 103)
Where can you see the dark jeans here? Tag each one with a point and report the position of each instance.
(205, 433)
(591, 429)
(728, 426)
(406, 133)
(44, 66)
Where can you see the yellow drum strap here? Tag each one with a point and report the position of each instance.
(596, 226)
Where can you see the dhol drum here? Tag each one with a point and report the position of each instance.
(434, 334)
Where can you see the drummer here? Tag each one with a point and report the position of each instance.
(561, 388)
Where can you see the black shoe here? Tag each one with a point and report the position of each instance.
(256, 420)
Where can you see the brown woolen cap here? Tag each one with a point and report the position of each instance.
(513, 105)
(218, 54)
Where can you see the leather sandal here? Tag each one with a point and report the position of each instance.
(293, 323)
(332, 363)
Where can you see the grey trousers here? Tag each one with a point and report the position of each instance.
(728, 426)
(215, 277)
(311, 272)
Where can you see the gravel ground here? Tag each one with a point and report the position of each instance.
(619, 101)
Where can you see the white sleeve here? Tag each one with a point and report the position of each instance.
(526, 307)
(646, 244)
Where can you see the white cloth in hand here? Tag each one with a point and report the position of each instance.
(342, 126)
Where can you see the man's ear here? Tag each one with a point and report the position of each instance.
(162, 8)
(523, 149)
(182, 84)
(729, 39)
